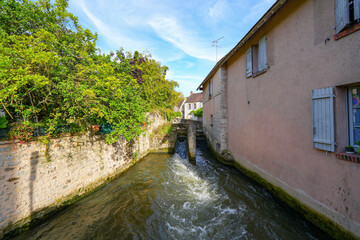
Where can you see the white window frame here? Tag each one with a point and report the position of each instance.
(351, 116)
(210, 87)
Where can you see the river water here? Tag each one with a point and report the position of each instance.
(167, 197)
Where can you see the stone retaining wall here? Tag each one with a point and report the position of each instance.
(36, 179)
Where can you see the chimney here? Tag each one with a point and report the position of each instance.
(191, 93)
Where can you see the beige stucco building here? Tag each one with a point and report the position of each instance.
(284, 102)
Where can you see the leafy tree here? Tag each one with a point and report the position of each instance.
(52, 74)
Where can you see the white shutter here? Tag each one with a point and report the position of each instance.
(323, 119)
(262, 61)
(357, 9)
(248, 63)
(341, 14)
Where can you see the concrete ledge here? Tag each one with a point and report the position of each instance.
(315, 212)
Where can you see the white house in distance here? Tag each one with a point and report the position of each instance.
(193, 102)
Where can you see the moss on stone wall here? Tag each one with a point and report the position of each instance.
(319, 220)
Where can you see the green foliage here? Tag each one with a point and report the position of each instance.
(163, 129)
(198, 112)
(22, 132)
(3, 122)
(177, 115)
(135, 155)
(52, 74)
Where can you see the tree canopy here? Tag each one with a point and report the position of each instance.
(52, 74)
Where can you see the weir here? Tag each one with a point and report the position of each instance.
(192, 130)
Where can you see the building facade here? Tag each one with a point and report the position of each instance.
(193, 102)
(285, 102)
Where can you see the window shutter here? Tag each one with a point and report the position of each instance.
(248, 63)
(323, 119)
(262, 61)
(357, 9)
(341, 14)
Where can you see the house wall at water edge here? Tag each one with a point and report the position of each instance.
(287, 122)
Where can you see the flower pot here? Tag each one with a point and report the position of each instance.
(349, 150)
(95, 128)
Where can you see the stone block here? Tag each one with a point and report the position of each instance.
(9, 157)
(5, 149)
(10, 164)
(2, 219)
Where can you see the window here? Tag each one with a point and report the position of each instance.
(210, 87)
(194, 105)
(211, 120)
(256, 59)
(262, 61)
(189, 106)
(354, 116)
(347, 13)
(249, 63)
(323, 119)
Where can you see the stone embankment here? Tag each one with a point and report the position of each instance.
(37, 180)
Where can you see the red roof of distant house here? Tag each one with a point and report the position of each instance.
(195, 97)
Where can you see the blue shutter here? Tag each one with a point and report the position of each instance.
(323, 119)
(262, 60)
(249, 63)
(341, 14)
(357, 9)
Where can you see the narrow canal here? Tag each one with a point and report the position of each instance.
(166, 197)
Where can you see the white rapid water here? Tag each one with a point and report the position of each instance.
(200, 210)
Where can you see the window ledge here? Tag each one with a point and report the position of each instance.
(346, 32)
(255, 74)
(352, 157)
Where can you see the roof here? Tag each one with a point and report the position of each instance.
(195, 97)
(264, 19)
(180, 103)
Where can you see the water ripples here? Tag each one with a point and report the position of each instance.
(167, 197)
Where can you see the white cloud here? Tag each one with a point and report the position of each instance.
(110, 34)
(187, 80)
(183, 38)
(217, 11)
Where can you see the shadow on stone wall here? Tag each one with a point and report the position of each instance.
(34, 161)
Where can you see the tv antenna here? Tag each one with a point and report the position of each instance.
(215, 44)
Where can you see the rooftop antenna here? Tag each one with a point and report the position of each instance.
(215, 44)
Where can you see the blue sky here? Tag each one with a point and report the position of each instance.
(178, 33)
